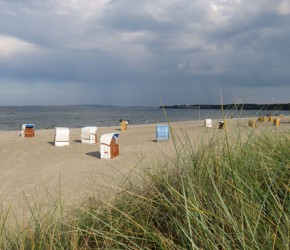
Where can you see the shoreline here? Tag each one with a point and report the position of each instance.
(145, 124)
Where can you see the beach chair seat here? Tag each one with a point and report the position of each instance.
(61, 137)
(27, 130)
(162, 132)
(208, 123)
(89, 135)
(108, 146)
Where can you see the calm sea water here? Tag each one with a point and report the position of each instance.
(46, 117)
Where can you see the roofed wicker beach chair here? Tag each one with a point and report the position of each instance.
(124, 125)
(27, 130)
(89, 135)
(208, 123)
(61, 137)
(162, 132)
(108, 146)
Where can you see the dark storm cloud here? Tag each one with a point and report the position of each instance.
(185, 51)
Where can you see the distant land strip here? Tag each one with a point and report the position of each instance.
(246, 106)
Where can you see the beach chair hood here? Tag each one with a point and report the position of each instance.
(62, 134)
(87, 131)
(107, 138)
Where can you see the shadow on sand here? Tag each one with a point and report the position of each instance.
(94, 154)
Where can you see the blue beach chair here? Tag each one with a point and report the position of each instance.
(162, 132)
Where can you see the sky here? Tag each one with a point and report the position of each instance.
(144, 52)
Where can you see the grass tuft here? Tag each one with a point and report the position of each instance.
(229, 193)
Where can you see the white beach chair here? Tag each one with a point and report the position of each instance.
(162, 132)
(89, 135)
(108, 146)
(208, 123)
(27, 130)
(61, 137)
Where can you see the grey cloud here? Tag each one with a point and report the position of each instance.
(140, 50)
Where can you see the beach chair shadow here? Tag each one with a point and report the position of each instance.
(78, 141)
(51, 143)
(118, 129)
(94, 154)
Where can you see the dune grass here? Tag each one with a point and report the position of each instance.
(230, 193)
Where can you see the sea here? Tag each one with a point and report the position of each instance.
(48, 117)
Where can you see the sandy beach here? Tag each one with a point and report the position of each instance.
(36, 170)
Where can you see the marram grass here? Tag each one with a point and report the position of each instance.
(225, 194)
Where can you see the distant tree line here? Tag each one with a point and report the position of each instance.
(246, 106)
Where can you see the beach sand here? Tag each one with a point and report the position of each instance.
(33, 169)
